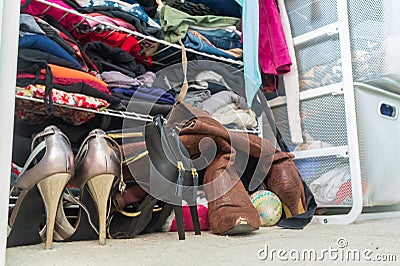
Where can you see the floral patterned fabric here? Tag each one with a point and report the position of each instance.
(35, 113)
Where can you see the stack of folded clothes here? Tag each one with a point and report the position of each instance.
(208, 26)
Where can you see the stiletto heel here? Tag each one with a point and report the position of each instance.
(40, 188)
(100, 186)
(179, 221)
(195, 219)
(51, 189)
(98, 169)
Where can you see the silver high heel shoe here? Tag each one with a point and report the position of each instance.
(97, 171)
(40, 188)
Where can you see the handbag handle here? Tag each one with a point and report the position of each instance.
(185, 85)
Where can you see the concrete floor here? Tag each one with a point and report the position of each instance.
(378, 237)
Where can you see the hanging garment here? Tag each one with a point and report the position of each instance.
(252, 75)
(175, 23)
(273, 52)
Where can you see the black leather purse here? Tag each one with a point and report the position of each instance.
(172, 175)
(172, 179)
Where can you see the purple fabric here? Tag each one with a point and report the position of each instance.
(272, 52)
(151, 94)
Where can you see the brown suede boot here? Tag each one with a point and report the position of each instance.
(230, 210)
(284, 180)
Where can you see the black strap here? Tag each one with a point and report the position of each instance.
(34, 66)
(48, 99)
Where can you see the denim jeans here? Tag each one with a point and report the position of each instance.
(194, 42)
(222, 39)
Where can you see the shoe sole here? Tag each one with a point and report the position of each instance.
(242, 227)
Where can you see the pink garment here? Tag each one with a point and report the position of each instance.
(68, 22)
(187, 219)
(272, 50)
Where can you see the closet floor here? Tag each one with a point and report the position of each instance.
(378, 236)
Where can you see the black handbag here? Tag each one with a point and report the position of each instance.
(172, 175)
(172, 179)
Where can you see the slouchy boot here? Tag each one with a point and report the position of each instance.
(230, 210)
(284, 180)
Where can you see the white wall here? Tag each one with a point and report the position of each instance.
(9, 25)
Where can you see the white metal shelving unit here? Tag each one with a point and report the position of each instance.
(329, 112)
(173, 49)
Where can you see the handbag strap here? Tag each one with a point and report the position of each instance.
(185, 85)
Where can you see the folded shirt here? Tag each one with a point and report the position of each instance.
(45, 44)
(151, 94)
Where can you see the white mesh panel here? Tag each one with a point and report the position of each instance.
(311, 169)
(305, 16)
(323, 119)
(319, 62)
(374, 27)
